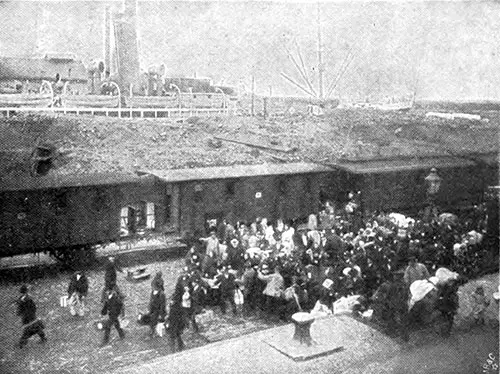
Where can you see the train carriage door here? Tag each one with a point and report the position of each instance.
(150, 215)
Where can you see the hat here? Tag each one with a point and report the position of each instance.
(399, 274)
(23, 289)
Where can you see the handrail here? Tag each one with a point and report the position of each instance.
(170, 112)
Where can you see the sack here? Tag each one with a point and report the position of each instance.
(63, 301)
(418, 290)
(123, 322)
(238, 297)
(345, 304)
(160, 329)
(289, 294)
(99, 325)
(327, 283)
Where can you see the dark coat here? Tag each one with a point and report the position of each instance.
(157, 307)
(157, 283)
(176, 320)
(81, 286)
(26, 308)
(235, 256)
(249, 280)
(113, 306)
(110, 274)
(448, 300)
(227, 284)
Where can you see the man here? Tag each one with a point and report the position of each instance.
(415, 271)
(275, 286)
(212, 244)
(157, 307)
(227, 285)
(110, 273)
(248, 287)
(110, 284)
(26, 308)
(113, 308)
(157, 283)
(235, 255)
(77, 292)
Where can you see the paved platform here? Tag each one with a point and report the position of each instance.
(251, 353)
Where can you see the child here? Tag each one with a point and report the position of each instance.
(480, 303)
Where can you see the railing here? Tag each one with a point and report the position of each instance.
(124, 112)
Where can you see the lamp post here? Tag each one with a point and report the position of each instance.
(433, 183)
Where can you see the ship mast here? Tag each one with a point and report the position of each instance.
(321, 66)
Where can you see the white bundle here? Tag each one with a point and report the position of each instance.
(345, 304)
(399, 219)
(444, 275)
(418, 290)
(474, 237)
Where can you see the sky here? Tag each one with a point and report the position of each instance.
(440, 50)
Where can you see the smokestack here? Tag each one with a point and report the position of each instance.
(127, 47)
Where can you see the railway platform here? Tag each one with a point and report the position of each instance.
(364, 351)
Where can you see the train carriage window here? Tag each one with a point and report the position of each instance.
(308, 185)
(168, 209)
(101, 200)
(198, 193)
(230, 188)
(282, 186)
(136, 217)
(378, 181)
(61, 201)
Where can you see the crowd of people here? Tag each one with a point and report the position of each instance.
(275, 269)
(284, 267)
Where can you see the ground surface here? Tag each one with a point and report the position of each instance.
(73, 343)
(469, 350)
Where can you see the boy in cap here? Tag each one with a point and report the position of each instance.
(77, 291)
(26, 309)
